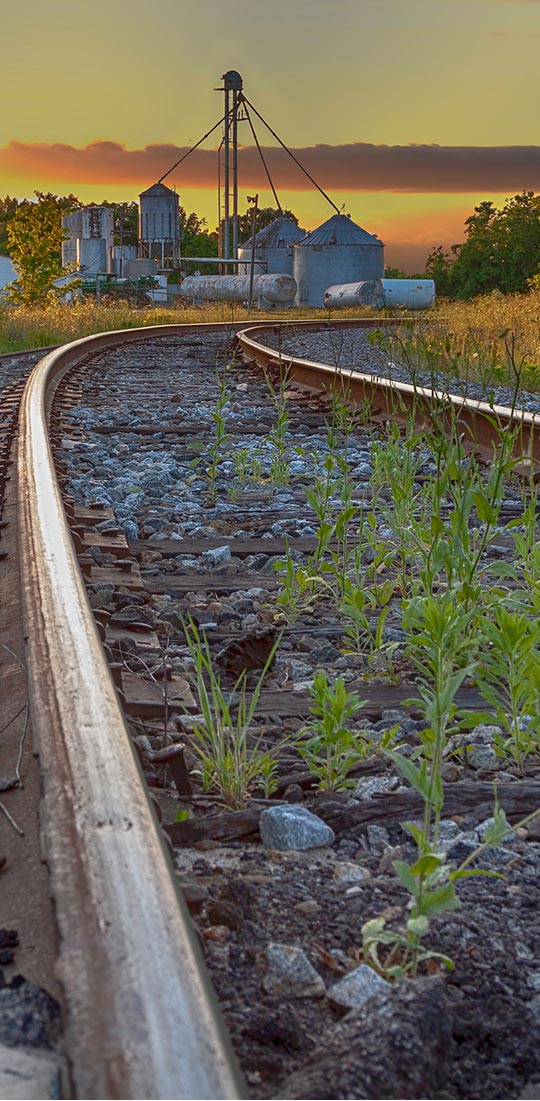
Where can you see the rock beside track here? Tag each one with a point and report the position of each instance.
(398, 1045)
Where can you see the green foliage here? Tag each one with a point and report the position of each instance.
(509, 678)
(231, 759)
(430, 884)
(220, 428)
(197, 240)
(501, 251)
(8, 209)
(35, 244)
(330, 749)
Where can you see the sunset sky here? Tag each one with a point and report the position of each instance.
(408, 112)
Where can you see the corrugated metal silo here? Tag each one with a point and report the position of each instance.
(338, 251)
(274, 247)
(159, 225)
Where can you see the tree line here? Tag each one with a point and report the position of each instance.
(501, 250)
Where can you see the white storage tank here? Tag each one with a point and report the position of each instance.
(72, 225)
(350, 294)
(92, 255)
(273, 247)
(268, 290)
(338, 251)
(139, 267)
(406, 294)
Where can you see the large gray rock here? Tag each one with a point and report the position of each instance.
(356, 988)
(398, 1045)
(293, 827)
(290, 973)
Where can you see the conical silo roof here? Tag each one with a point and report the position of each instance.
(158, 190)
(281, 233)
(339, 230)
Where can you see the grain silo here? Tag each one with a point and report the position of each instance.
(273, 248)
(338, 251)
(159, 225)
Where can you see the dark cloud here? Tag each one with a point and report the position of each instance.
(354, 167)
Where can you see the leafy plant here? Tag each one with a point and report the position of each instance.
(277, 437)
(509, 678)
(328, 746)
(220, 428)
(231, 759)
(430, 882)
(299, 587)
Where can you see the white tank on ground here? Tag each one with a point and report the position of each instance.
(271, 290)
(407, 294)
(338, 251)
(350, 294)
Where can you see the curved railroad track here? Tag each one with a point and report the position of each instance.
(141, 1017)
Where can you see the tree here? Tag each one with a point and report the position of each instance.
(501, 252)
(8, 208)
(196, 238)
(126, 222)
(394, 273)
(35, 238)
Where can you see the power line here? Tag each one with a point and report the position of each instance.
(193, 147)
(266, 169)
(295, 159)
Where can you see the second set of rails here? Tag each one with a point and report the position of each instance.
(142, 1020)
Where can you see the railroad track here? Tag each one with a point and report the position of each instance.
(141, 1017)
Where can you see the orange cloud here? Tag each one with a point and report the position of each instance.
(355, 167)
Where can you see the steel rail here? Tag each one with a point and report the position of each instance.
(142, 1020)
(481, 421)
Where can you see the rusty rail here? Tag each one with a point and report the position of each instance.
(480, 421)
(141, 1017)
(142, 1021)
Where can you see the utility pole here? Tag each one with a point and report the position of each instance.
(232, 88)
(255, 200)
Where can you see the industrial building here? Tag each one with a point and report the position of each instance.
(339, 256)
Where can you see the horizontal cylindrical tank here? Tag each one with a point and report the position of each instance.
(92, 254)
(350, 294)
(407, 294)
(235, 288)
(134, 269)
